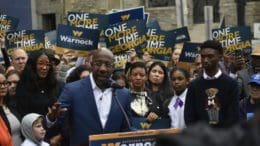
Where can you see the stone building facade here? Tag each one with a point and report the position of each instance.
(165, 14)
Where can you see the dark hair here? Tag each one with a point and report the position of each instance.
(212, 44)
(184, 71)
(52, 58)
(75, 74)
(161, 97)
(164, 88)
(30, 78)
(165, 72)
(136, 65)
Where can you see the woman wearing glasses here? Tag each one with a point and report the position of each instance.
(9, 119)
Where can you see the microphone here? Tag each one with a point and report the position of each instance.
(115, 86)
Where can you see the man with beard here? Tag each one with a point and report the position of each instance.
(213, 97)
(91, 103)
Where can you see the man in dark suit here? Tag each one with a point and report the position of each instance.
(91, 102)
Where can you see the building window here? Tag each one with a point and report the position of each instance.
(198, 10)
(160, 3)
(48, 22)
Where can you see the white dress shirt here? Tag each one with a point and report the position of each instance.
(103, 101)
(177, 115)
(207, 77)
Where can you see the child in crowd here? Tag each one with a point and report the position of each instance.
(180, 81)
(33, 130)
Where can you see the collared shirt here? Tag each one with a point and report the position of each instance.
(207, 77)
(233, 75)
(177, 114)
(103, 101)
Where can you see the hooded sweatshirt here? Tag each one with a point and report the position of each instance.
(27, 131)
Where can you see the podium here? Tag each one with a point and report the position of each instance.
(144, 137)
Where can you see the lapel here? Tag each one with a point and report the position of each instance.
(114, 109)
(89, 99)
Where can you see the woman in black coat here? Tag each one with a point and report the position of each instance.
(38, 87)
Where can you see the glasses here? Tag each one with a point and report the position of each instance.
(43, 64)
(3, 84)
(12, 82)
(107, 64)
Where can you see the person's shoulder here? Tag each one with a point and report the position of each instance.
(28, 142)
(228, 79)
(43, 143)
(78, 83)
(196, 81)
(124, 90)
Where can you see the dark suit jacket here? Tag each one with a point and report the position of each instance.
(84, 119)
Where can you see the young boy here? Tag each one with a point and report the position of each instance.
(32, 130)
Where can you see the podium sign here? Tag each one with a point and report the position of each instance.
(145, 138)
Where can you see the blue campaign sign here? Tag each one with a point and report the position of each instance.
(75, 38)
(29, 40)
(234, 38)
(154, 24)
(87, 20)
(141, 123)
(159, 44)
(126, 35)
(181, 34)
(7, 23)
(127, 14)
(189, 52)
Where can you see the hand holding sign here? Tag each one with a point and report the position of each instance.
(2, 41)
(235, 61)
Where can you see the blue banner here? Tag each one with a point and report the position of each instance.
(153, 24)
(87, 20)
(29, 40)
(159, 44)
(181, 34)
(7, 23)
(127, 14)
(77, 39)
(234, 38)
(126, 35)
(189, 52)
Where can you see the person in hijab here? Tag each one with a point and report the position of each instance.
(33, 130)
